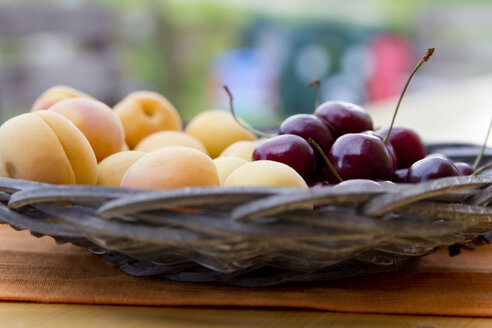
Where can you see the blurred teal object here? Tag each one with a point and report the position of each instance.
(337, 55)
(270, 77)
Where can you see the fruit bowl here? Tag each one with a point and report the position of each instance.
(258, 236)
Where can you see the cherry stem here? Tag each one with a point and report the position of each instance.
(481, 169)
(484, 146)
(425, 58)
(332, 168)
(241, 122)
(317, 83)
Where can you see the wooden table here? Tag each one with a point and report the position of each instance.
(69, 315)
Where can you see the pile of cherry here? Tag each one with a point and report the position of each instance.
(344, 132)
(337, 143)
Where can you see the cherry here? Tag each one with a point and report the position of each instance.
(465, 168)
(431, 167)
(343, 117)
(309, 126)
(407, 145)
(388, 144)
(359, 156)
(340, 117)
(289, 149)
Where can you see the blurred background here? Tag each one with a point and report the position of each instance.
(265, 51)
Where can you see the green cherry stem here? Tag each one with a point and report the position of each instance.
(481, 169)
(241, 122)
(332, 168)
(484, 146)
(316, 83)
(425, 58)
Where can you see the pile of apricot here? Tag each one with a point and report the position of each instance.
(70, 138)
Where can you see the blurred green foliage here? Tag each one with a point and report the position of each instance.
(174, 59)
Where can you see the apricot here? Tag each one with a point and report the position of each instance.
(265, 173)
(45, 146)
(111, 170)
(160, 139)
(241, 149)
(172, 167)
(54, 95)
(145, 112)
(97, 122)
(226, 164)
(217, 130)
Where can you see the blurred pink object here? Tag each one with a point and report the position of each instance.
(392, 62)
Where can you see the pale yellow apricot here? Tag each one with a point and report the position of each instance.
(217, 130)
(242, 149)
(46, 147)
(265, 173)
(54, 95)
(111, 170)
(226, 164)
(77, 148)
(146, 112)
(172, 167)
(160, 139)
(96, 121)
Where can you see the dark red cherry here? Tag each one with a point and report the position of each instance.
(408, 146)
(431, 167)
(309, 126)
(388, 144)
(465, 168)
(360, 156)
(289, 149)
(343, 117)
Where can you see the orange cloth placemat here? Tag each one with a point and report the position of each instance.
(36, 269)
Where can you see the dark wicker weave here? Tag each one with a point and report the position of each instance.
(258, 236)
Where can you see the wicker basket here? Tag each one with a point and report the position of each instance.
(258, 236)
